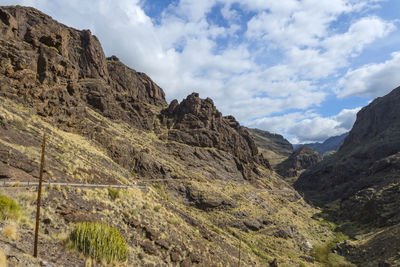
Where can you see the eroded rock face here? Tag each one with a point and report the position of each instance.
(60, 71)
(363, 173)
(298, 161)
(271, 141)
(197, 122)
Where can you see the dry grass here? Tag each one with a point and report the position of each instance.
(27, 200)
(88, 262)
(3, 259)
(10, 231)
(163, 210)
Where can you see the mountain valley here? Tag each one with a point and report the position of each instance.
(204, 190)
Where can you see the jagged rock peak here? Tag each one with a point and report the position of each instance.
(193, 104)
(197, 122)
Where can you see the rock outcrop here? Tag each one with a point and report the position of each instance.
(362, 182)
(363, 173)
(271, 141)
(197, 122)
(300, 160)
(59, 71)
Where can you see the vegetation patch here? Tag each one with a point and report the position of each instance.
(113, 193)
(9, 209)
(324, 254)
(10, 231)
(99, 241)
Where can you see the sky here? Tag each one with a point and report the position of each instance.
(300, 68)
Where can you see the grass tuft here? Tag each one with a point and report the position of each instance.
(10, 231)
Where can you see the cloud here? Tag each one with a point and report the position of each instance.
(334, 51)
(371, 80)
(308, 127)
(269, 56)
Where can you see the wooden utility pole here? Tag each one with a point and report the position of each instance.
(240, 246)
(38, 197)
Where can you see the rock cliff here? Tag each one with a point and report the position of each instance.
(271, 142)
(59, 71)
(361, 180)
(300, 160)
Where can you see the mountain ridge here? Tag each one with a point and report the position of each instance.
(362, 179)
(333, 143)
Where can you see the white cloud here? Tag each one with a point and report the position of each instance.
(308, 127)
(276, 66)
(371, 80)
(346, 118)
(338, 49)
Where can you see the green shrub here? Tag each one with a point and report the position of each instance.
(113, 193)
(99, 241)
(320, 253)
(160, 190)
(9, 209)
(323, 253)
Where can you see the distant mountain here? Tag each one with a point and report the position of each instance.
(271, 141)
(331, 144)
(274, 147)
(301, 159)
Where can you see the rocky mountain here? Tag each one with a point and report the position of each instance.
(273, 146)
(300, 160)
(362, 180)
(331, 144)
(271, 141)
(207, 194)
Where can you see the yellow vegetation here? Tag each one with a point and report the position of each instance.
(10, 231)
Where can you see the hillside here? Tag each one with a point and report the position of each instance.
(331, 144)
(300, 160)
(274, 147)
(360, 183)
(209, 194)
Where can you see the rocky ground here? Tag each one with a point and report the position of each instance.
(267, 216)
